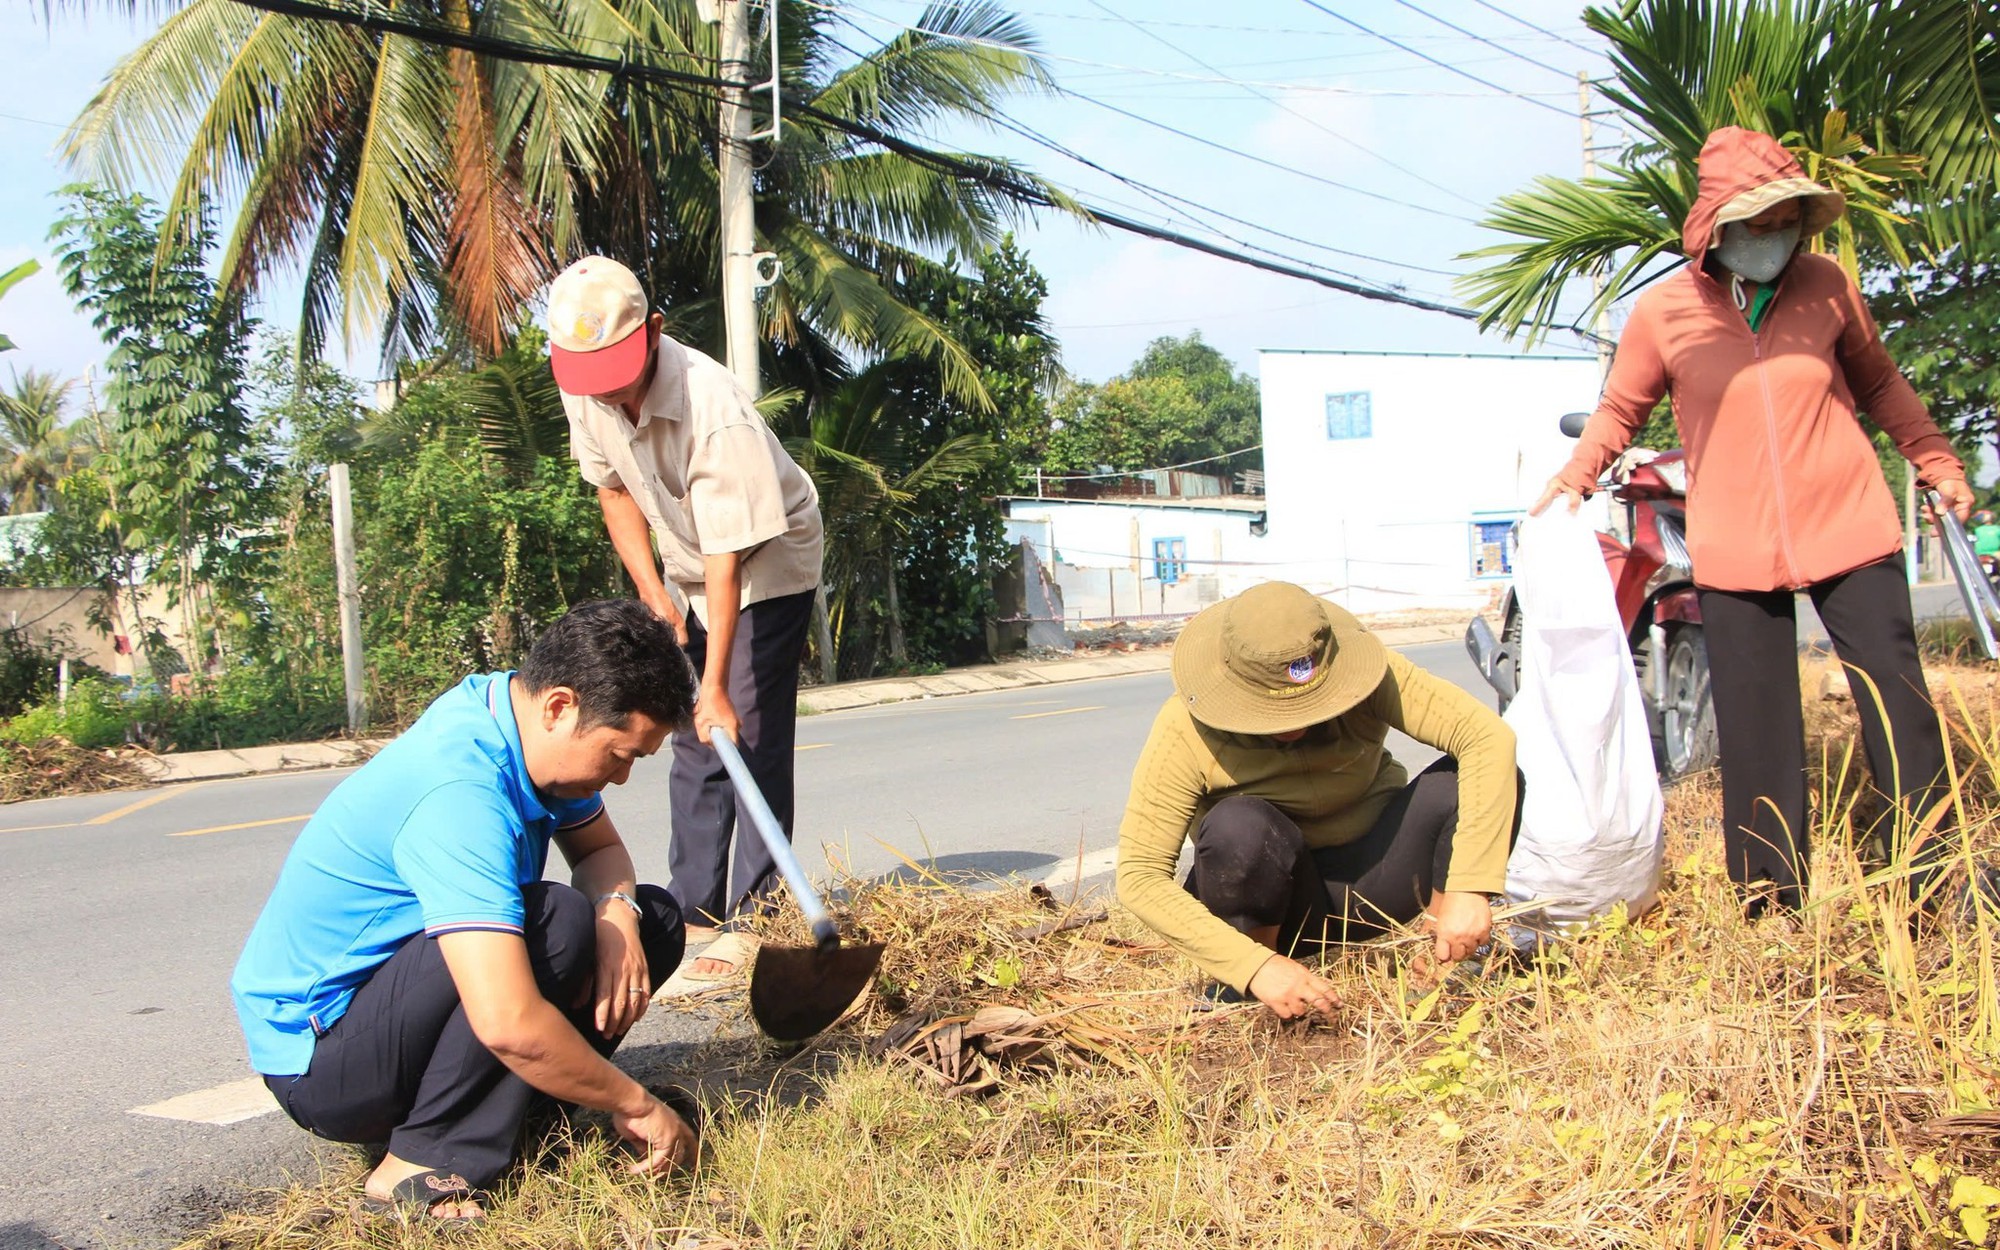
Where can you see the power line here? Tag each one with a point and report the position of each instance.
(1314, 123)
(1283, 168)
(1443, 65)
(1169, 199)
(1224, 27)
(1159, 125)
(991, 176)
(1543, 30)
(1519, 56)
(1161, 195)
(849, 14)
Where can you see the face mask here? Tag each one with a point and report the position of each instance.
(1758, 257)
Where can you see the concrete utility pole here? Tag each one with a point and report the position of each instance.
(739, 220)
(1602, 326)
(744, 268)
(348, 581)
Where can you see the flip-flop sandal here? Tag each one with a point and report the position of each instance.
(734, 948)
(414, 1199)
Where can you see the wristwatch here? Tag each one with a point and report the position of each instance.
(622, 897)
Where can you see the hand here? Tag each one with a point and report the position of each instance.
(1556, 487)
(714, 710)
(666, 1138)
(623, 988)
(663, 607)
(1290, 989)
(1461, 922)
(1957, 496)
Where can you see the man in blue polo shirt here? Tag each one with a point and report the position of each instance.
(414, 980)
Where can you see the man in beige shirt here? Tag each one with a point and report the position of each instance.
(681, 457)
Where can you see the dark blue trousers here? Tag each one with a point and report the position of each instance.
(402, 1065)
(764, 686)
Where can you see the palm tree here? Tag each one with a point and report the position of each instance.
(1889, 101)
(26, 269)
(870, 466)
(428, 194)
(36, 449)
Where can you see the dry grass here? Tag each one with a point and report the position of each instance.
(57, 766)
(1680, 1079)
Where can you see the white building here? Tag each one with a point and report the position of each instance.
(1131, 558)
(1393, 480)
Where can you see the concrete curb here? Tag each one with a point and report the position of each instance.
(1019, 674)
(844, 696)
(282, 757)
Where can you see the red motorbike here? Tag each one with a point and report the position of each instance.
(1652, 579)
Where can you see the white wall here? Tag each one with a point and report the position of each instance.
(1101, 554)
(1385, 522)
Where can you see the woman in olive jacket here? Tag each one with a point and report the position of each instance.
(1270, 757)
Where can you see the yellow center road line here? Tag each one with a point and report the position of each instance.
(1095, 707)
(140, 805)
(248, 824)
(810, 746)
(74, 824)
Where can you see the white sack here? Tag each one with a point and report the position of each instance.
(1590, 815)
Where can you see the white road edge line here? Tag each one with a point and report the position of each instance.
(224, 1104)
(1082, 868)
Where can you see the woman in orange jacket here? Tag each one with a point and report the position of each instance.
(1769, 354)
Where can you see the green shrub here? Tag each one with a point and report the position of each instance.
(29, 669)
(244, 706)
(97, 714)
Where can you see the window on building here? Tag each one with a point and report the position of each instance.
(1349, 415)
(1493, 548)
(1169, 560)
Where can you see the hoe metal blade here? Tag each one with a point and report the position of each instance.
(796, 991)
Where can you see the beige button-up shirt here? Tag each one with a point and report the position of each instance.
(708, 474)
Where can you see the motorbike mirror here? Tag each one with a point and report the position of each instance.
(1572, 424)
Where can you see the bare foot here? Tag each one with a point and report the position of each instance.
(392, 1171)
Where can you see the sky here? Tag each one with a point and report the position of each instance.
(1283, 99)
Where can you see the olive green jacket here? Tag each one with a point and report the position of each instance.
(1333, 783)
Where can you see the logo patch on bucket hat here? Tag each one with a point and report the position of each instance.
(1300, 670)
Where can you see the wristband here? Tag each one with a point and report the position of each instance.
(622, 897)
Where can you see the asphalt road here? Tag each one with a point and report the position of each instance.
(126, 912)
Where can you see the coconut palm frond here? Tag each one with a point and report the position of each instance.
(1567, 230)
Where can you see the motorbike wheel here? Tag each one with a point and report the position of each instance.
(1686, 713)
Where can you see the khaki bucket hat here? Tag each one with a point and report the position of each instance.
(1819, 207)
(1274, 659)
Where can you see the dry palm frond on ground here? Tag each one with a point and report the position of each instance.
(1030, 1074)
(54, 766)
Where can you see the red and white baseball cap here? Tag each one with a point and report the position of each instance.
(597, 322)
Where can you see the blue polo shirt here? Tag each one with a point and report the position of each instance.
(437, 834)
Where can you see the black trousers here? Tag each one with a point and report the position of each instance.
(1760, 727)
(764, 685)
(402, 1065)
(1252, 867)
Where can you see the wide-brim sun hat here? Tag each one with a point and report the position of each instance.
(1819, 206)
(1275, 659)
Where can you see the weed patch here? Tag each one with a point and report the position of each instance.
(1680, 1078)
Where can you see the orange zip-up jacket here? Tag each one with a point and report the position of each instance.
(1784, 489)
